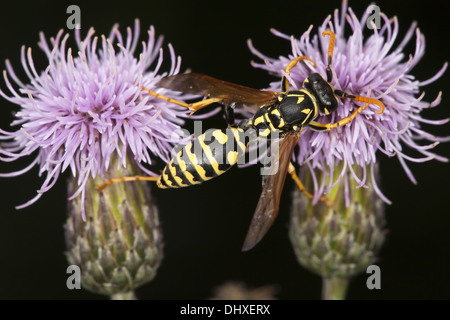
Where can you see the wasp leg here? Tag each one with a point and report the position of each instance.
(316, 126)
(293, 63)
(126, 179)
(301, 187)
(330, 53)
(328, 126)
(194, 107)
(229, 115)
(367, 100)
(344, 94)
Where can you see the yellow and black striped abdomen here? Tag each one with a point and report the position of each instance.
(206, 157)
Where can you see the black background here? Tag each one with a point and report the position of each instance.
(204, 226)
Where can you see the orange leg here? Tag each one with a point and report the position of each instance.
(330, 45)
(330, 53)
(125, 179)
(293, 63)
(301, 187)
(194, 107)
(328, 126)
(369, 101)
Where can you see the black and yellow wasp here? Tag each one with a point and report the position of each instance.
(286, 113)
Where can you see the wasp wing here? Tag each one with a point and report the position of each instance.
(269, 201)
(195, 83)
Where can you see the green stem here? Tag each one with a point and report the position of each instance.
(124, 296)
(334, 288)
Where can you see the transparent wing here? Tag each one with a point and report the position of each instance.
(195, 83)
(269, 201)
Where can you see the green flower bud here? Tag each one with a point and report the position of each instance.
(119, 246)
(341, 241)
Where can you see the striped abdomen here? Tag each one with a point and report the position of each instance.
(206, 157)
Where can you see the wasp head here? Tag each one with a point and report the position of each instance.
(327, 101)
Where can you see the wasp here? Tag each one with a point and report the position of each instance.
(287, 113)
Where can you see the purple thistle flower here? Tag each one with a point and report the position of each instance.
(371, 67)
(84, 109)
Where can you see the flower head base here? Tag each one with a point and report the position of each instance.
(84, 109)
(370, 67)
(119, 246)
(340, 241)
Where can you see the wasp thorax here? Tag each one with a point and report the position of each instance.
(323, 92)
(296, 108)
